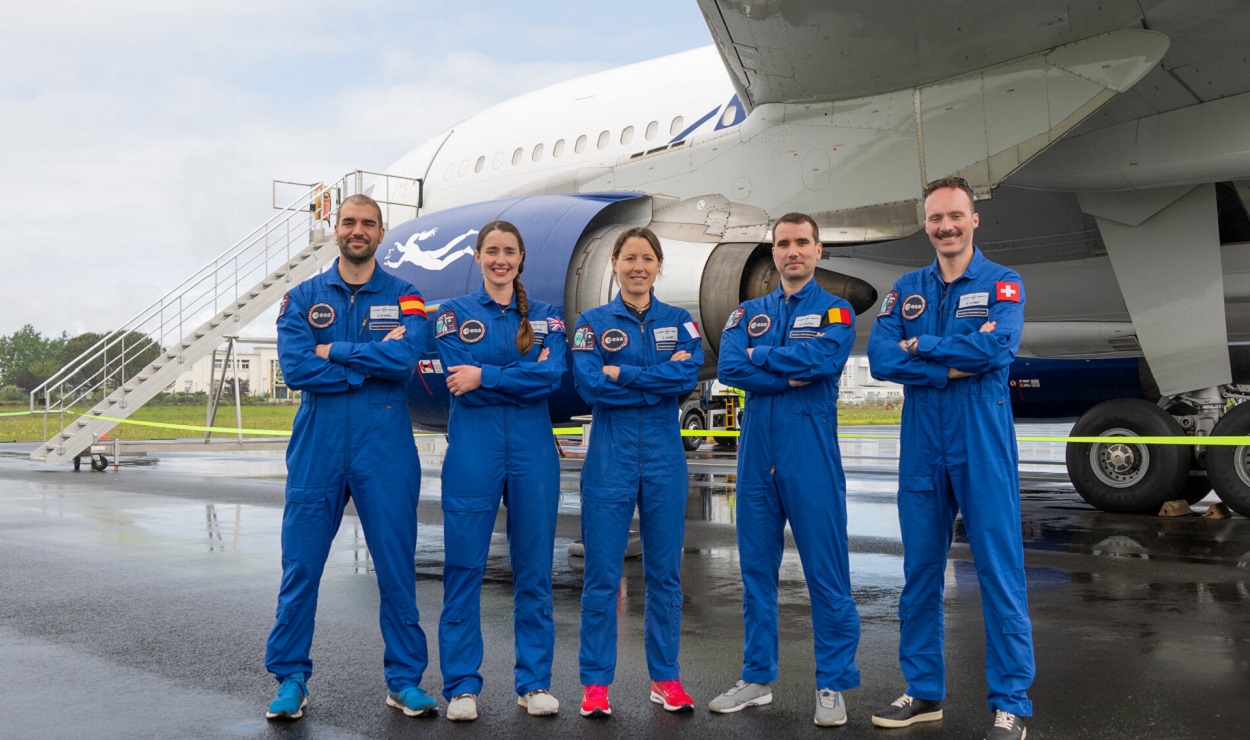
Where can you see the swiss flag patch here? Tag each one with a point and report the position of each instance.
(1008, 292)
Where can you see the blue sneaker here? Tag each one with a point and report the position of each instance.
(292, 697)
(412, 701)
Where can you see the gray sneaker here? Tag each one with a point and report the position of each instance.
(830, 709)
(742, 695)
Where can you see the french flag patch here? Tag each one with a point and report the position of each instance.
(1008, 292)
(692, 328)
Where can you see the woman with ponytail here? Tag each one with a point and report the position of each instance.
(504, 354)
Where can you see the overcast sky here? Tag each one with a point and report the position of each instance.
(139, 138)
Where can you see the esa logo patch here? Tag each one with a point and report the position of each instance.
(735, 318)
(472, 331)
(913, 306)
(887, 306)
(584, 338)
(321, 315)
(445, 324)
(614, 340)
(759, 324)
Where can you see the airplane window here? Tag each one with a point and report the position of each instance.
(603, 139)
(679, 123)
(538, 152)
(729, 115)
(498, 160)
(481, 163)
(653, 128)
(580, 146)
(464, 167)
(451, 168)
(627, 135)
(516, 156)
(558, 149)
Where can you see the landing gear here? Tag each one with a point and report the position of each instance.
(1228, 468)
(1120, 476)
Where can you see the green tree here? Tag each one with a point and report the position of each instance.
(28, 351)
(104, 368)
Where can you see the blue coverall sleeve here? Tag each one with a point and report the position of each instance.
(736, 369)
(670, 377)
(391, 360)
(302, 369)
(822, 357)
(981, 352)
(888, 361)
(597, 389)
(526, 380)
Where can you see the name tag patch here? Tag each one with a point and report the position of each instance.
(539, 327)
(384, 312)
(383, 325)
(808, 321)
(971, 313)
(974, 299)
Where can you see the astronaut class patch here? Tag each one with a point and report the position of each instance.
(735, 318)
(584, 338)
(887, 305)
(321, 315)
(445, 324)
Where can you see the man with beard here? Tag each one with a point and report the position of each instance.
(949, 332)
(349, 339)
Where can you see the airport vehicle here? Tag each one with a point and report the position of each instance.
(1104, 138)
(714, 407)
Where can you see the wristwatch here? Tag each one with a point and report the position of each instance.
(911, 345)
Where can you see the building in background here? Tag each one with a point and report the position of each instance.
(858, 385)
(258, 371)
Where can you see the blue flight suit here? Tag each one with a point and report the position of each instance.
(958, 454)
(352, 438)
(635, 459)
(501, 447)
(790, 468)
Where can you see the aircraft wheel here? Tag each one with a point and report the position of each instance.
(1120, 476)
(692, 420)
(1228, 468)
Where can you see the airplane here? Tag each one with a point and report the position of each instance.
(1105, 141)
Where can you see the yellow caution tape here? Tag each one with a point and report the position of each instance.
(17, 413)
(191, 428)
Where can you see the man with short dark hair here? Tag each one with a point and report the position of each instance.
(949, 332)
(349, 338)
(787, 350)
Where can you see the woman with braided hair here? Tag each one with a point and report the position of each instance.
(504, 354)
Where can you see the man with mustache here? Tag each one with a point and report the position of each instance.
(348, 339)
(787, 350)
(949, 332)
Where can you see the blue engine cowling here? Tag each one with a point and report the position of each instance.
(435, 253)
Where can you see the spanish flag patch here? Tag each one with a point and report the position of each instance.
(840, 316)
(412, 304)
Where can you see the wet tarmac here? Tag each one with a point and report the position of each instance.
(135, 604)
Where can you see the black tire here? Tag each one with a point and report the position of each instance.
(1228, 468)
(1120, 476)
(692, 419)
(99, 463)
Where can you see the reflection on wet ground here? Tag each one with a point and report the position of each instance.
(164, 575)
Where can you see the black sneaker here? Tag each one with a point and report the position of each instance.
(1007, 726)
(907, 710)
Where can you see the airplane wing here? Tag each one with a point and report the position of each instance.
(803, 51)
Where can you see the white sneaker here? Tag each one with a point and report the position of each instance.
(462, 708)
(539, 703)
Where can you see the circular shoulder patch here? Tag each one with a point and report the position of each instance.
(472, 331)
(614, 340)
(759, 324)
(321, 315)
(913, 306)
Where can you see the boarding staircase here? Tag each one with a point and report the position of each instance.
(190, 321)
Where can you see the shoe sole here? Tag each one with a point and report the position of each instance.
(432, 711)
(658, 699)
(596, 713)
(758, 701)
(835, 723)
(522, 702)
(287, 716)
(933, 716)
